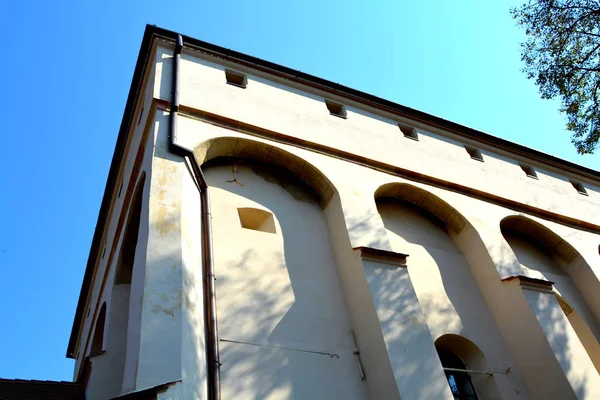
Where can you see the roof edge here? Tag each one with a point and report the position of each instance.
(379, 103)
(109, 189)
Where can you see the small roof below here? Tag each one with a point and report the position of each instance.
(22, 389)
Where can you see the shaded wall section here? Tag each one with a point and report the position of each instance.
(283, 321)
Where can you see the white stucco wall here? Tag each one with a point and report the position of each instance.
(533, 258)
(417, 370)
(305, 286)
(357, 186)
(570, 354)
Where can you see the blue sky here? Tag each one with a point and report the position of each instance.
(66, 73)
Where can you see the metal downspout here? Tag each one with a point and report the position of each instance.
(210, 305)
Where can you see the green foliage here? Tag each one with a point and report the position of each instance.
(562, 54)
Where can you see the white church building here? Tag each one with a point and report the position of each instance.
(267, 234)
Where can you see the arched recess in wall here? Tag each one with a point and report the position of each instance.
(120, 302)
(449, 268)
(241, 149)
(281, 311)
(126, 258)
(98, 338)
(541, 251)
(465, 365)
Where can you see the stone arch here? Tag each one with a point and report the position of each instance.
(454, 277)
(427, 201)
(278, 288)
(460, 232)
(240, 148)
(474, 360)
(540, 236)
(464, 235)
(544, 254)
(567, 259)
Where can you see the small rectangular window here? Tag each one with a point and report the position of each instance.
(336, 109)
(474, 153)
(236, 78)
(257, 220)
(579, 187)
(529, 171)
(409, 132)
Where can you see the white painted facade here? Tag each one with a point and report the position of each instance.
(411, 245)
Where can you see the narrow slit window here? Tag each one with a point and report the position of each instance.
(257, 220)
(474, 153)
(529, 171)
(236, 79)
(126, 259)
(140, 117)
(409, 132)
(98, 338)
(336, 109)
(579, 187)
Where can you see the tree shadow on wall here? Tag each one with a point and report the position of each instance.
(500, 257)
(282, 339)
(368, 227)
(457, 306)
(393, 294)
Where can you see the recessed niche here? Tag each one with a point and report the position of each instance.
(474, 153)
(336, 109)
(409, 132)
(579, 187)
(236, 78)
(98, 338)
(257, 220)
(529, 171)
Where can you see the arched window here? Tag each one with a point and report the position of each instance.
(98, 339)
(458, 378)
